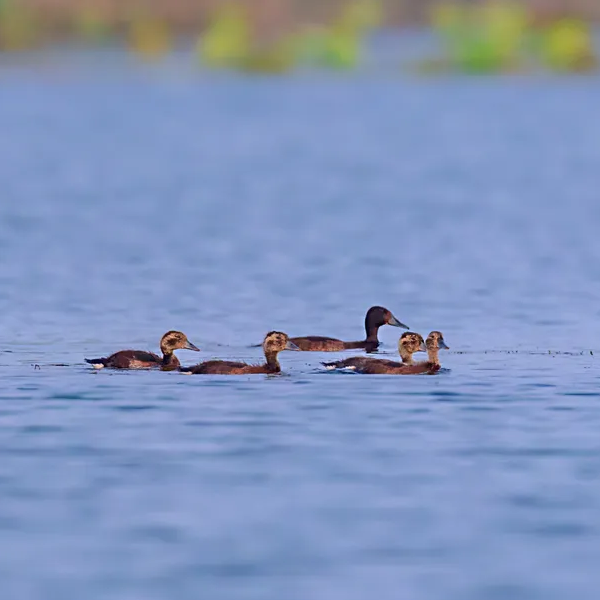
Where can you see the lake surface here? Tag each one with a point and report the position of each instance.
(139, 199)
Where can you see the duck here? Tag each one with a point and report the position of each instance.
(376, 317)
(434, 343)
(274, 343)
(140, 359)
(408, 344)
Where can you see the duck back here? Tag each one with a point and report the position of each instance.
(355, 362)
(225, 367)
(127, 359)
(374, 366)
(316, 343)
(385, 367)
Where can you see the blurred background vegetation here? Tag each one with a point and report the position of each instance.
(276, 36)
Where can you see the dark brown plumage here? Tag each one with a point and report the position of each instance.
(434, 342)
(274, 343)
(408, 344)
(140, 359)
(376, 317)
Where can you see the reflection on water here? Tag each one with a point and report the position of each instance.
(137, 202)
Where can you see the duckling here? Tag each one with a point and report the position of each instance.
(139, 359)
(274, 343)
(433, 344)
(408, 344)
(375, 318)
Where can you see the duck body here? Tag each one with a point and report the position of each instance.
(274, 343)
(376, 317)
(401, 369)
(368, 365)
(127, 359)
(315, 343)
(227, 367)
(357, 363)
(409, 344)
(385, 367)
(141, 359)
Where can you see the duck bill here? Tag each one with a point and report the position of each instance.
(190, 346)
(395, 323)
(291, 346)
(422, 347)
(442, 345)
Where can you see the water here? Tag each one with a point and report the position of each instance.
(137, 200)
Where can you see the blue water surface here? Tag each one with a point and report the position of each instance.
(137, 199)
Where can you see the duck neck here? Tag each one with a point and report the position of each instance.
(372, 329)
(407, 357)
(432, 354)
(272, 362)
(169, 359)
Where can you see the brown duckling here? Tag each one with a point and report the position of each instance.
(433, 344)
(139, 359)
(375, 318)
(408, 344)
(274, 343)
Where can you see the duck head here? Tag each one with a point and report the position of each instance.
(435, 341)
(276, 341)
(410, 342)
(175, 340)
(378, 316)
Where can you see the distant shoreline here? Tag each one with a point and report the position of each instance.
(270, 18)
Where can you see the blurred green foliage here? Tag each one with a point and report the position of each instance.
(228, 39)
(334, 48)
(277, 58)
(488, 36)
(501, 35)
(229, 42)
(567, 45)
(340, 45)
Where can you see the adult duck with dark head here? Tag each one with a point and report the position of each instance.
(376, 317)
